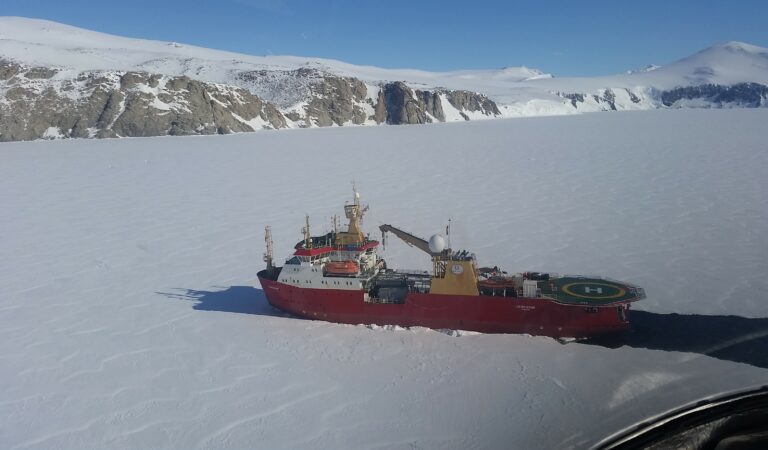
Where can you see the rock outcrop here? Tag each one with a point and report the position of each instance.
(42, 102)
(38, 104)
(401, 105)
(745, 95)
(325, 99)
(473, 102)
(605, 99)
(336, 101)
(309, 97)
(740, 95)
(406, 106)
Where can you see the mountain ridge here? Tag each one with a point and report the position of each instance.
(55, 76)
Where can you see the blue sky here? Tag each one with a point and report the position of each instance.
(566, 38)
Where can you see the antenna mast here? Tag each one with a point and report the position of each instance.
(361, 210)
(307, 235)
(268, 253)
(448, 232)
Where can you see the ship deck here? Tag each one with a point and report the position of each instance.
(568, 289)
(589, 291)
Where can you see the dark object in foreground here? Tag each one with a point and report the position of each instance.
(733, 422)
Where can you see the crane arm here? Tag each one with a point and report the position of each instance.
(409, 239)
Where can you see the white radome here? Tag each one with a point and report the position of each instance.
(436, 243)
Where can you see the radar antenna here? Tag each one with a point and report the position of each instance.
(355, 194)
(361, 210)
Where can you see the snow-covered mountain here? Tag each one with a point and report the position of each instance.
(645, 68)
(62, 81)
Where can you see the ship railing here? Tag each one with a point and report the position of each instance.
(420, 272)
(559, 298)
(419, 287)
(388, 301)
(604, 278)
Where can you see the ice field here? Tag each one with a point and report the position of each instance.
(131, 316)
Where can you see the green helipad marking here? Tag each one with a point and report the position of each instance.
(594, 291)
(587, 291)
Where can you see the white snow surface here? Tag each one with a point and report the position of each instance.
(129, 316)
(518, 91)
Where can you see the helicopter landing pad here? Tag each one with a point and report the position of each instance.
(589, 291)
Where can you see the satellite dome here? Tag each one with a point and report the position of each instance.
(436, 243)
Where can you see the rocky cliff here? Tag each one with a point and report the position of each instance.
(42, 102)
(310, 97)
(745, 95)
(38, 102)
(739, 95)
(404, 105)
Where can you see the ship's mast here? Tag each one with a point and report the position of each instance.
(353, 212)
(307, 235)
(268, 254)
(448, 232)
(360, 209)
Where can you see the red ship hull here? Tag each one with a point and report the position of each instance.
(486, 314)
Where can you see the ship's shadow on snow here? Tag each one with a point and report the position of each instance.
(730, 338)
(234, 299)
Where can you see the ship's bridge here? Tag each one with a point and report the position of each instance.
(324, 249)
